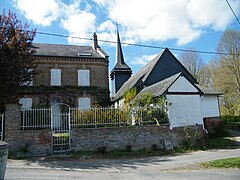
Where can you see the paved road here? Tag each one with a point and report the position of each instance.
(182, 166)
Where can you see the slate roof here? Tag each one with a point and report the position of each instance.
(60, 50)
(208, 91)
(163, 66)
(159, 88)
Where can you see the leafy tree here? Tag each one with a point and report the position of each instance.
(15, 62)
(192, 62)
(128, 96)
(227, 71)
(147, 99)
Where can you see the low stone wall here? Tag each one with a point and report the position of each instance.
(138, 137)
(30, 142)
(39, 142)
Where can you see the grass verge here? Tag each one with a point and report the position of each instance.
(223, 163)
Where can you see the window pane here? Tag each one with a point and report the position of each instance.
(55, 77)
(26, 103)
(84, 103)
(83, 77)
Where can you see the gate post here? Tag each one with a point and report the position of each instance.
(12, 125)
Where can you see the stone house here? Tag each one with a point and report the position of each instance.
(188, 102)
(75, 75)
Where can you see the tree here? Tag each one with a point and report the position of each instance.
(192, 62)
(128, 95)
(15, 62)
(227, 70)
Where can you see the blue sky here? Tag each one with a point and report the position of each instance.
(198, 24)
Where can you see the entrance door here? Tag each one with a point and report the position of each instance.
(60, 124)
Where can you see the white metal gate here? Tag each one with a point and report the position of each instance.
(60, 125)
(1, 126)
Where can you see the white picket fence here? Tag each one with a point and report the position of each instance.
(96, 117)
(1, 126)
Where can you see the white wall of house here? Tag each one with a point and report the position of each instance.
(209, 106)
(182, 85)
(184, 110)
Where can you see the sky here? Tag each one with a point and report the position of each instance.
(182, 24)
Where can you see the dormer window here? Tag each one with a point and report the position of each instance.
(84, 54)
(55, 77)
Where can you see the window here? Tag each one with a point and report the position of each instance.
(84, 103)
(83, 77)
(26, 103)
(55, 77)
(28, 74)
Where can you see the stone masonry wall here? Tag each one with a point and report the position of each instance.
(39, 142)
(137, 137)
(35, 142)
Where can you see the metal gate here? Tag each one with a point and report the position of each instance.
(1, 126)
(60, 125)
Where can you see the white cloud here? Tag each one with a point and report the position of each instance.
(182, 20)
(75, 17)
(143, 59)
(42, 12)
(78, 22)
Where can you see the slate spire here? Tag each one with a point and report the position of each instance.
(121, 71)
(119, 53)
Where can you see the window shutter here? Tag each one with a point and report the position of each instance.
(83, 77)
(84, 103)
(55, 77)
(26, 103)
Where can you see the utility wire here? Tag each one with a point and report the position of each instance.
(233, 12)
(137, 45)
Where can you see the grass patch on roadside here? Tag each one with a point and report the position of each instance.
(220, 142)
(223, 163)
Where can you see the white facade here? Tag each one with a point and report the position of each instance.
(182, 85)
(209, 106)
(184, 110)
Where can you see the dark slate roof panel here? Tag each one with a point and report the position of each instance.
(208, 91)
(65, 50)
(159, 88)
(137, 78)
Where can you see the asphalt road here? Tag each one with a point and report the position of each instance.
(182, 166)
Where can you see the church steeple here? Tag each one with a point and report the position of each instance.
(121, 71)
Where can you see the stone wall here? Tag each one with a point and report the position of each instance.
(33, 142)
(39, 142)
(138, 137)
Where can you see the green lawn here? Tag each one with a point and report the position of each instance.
(223, 163)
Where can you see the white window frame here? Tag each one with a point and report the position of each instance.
(83, 77)
(84, 103)
(56, 77)
(26, 103)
